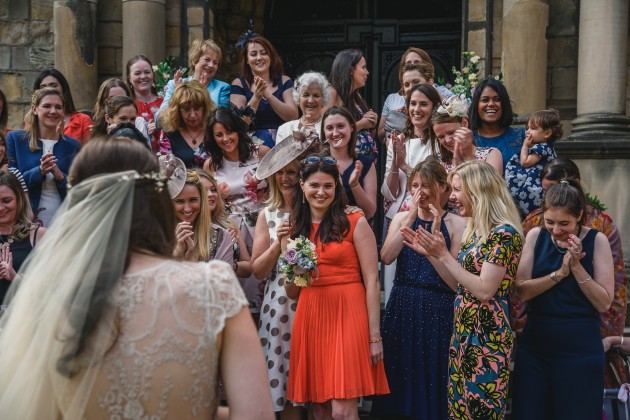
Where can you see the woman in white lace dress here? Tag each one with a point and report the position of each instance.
(112, 327)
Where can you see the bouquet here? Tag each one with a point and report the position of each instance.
(298, 261)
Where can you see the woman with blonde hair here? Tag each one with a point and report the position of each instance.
(43, 154)
(185, 123)
(481, 345)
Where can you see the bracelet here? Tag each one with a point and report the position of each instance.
(589, 278)
(621, 342)
(353, 186)
(378, 340)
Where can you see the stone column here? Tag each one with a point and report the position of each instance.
(524, 55)
(602, 61)
(144, 28)
(75, 48)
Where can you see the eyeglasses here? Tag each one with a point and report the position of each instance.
(316, 159)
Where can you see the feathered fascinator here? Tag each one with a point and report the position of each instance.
(246, 36)
(455, 106)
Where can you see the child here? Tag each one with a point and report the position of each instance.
(522, 172)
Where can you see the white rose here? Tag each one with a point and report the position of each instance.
(475, 59)
(465, 70)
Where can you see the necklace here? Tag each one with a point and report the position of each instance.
(310, 124)
(193, 139)
(564, 250)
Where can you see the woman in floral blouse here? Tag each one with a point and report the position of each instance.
(481, 345)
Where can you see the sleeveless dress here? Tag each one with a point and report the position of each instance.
(267, 120)
(559, 368)
(481, 346)
(19, 250)
(330, 351)
(276, 321)
(243, 205)
(416, 328)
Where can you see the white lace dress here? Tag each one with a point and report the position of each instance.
(276, 321)
(164, 363)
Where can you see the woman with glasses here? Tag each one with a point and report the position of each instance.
(336, 345)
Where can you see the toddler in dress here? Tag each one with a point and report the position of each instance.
(522, 172)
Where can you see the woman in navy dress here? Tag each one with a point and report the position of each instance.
(567, 275)
(418, 320)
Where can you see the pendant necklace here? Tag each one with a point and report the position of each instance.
(193, 139)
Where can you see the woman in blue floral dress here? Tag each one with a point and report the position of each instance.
(481, 345)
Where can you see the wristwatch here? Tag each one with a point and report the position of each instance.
(553, 276)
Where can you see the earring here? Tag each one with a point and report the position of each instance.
(303, 197)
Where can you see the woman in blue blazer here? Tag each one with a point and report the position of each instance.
(42, 154)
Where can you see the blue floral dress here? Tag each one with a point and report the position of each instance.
(366, 146)
(524, 183)
(482, 340)
(508, 143)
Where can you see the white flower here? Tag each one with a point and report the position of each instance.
(455, 106)
(475, 59)
(465, 70)
(155, 68)
(472, 77)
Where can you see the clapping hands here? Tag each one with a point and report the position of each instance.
(6, 263)
(185, 240)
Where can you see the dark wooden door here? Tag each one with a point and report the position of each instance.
(308, 35)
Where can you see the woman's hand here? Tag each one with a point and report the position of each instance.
(433, 243)
(463, 147)
(575, 249)
(412, 240)
(185, 242)
(224, 190)
(608, 342)
(353, 209)
(259, 87)
(283, 232)
(376, 352)
(151, 127)
(61, 126)
(356, 173)
(177, 78)
(47, 163)
(413, 206)
(565, 269)
(400, 153)
(6, 263)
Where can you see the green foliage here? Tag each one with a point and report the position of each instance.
(468, 77)
(164, 71)
(593, 200)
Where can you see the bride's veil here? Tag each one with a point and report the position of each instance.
(44, 353)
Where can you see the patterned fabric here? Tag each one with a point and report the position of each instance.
(147, 111)
(276, 321)
(509, 143)
(482, 340)
(366, 145)
(524, 183)
(175, 143)
(165, 369)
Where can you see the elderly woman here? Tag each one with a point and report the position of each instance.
(18, 234)
(311, 92)
(43, 154)
(185, 124)
(262, 91)
(204, 58)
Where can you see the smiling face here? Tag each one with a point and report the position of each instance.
(359, 74)
(141, 76)
(410, 79)
(338, 131)
(489, 107)
(311, 102)
(459, 198)
(287, 178)
(208, 64)
(8, 206)
(319, 190)
(49, 111)
(560, 224)
(420, 109)
(187, 204)
(445, 133)
(124, 114)
(427, 195)
(258, 58)
(226, 140)
(211, 193)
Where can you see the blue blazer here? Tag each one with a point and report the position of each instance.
(22, 158)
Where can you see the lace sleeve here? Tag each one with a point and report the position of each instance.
(228, 290)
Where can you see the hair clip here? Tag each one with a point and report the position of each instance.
(564, 181)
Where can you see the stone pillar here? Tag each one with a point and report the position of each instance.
(602, 61)
(144, 29)
(75, 48)
(524, 53)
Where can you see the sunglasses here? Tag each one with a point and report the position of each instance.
(316, 159)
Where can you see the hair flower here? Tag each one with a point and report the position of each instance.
(455, 106)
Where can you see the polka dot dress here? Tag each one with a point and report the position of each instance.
(276, 321)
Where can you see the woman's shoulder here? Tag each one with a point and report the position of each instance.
(80, 118)
(16, 135)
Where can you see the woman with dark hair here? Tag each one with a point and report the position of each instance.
(18, 234)
(567, 275)
(141, 84)
(76, 124)
(263, 92)
(185, 124)
(119, 116)
(233, 161)
(43, 154)
(113, 286)
(611, 322)
(336, 345)
(348, 76)
(4, 113)
(490, 116)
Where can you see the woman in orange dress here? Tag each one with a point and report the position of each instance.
(336, 344)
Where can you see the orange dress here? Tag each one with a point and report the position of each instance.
(330, 350)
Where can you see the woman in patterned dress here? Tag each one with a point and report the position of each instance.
(481, 345)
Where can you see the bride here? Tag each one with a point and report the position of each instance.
(104, 323)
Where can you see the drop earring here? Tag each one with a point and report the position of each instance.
(303, 197)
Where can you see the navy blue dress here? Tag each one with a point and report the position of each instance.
(559, 368)
(416, 329)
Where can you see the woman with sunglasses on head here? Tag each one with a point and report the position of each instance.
(336, 347)
(566, 274)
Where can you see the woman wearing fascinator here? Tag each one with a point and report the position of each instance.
(262, 92)
(198, 239)
(113, 286)
(280, 167)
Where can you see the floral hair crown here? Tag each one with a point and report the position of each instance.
(158, 177)
(455, 106)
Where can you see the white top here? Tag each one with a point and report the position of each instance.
(50, 199)
(286, 129)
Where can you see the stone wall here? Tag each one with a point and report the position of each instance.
(26, 48)
(109, 39)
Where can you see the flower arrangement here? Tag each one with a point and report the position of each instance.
(467, 79)
(298, 261)
(164, 71)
